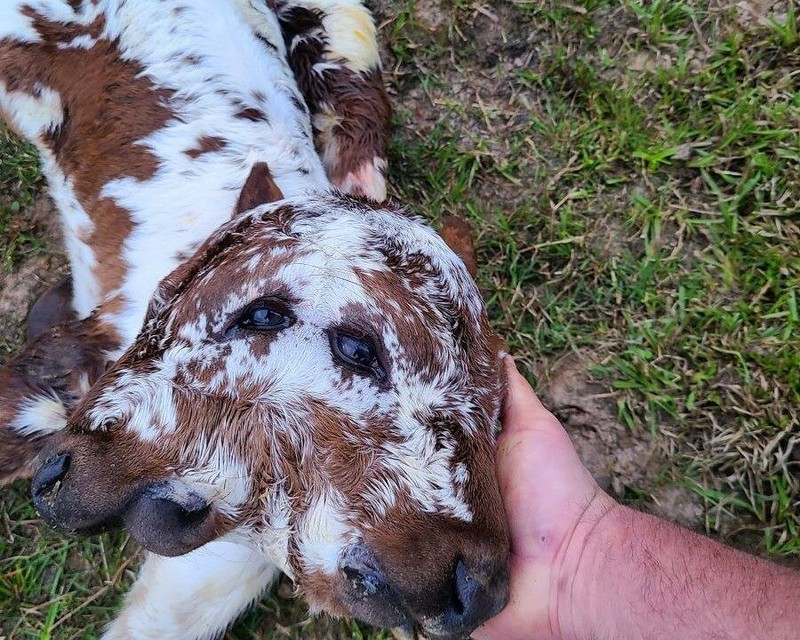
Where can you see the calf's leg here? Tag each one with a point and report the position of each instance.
(333, 51)
(195, 596)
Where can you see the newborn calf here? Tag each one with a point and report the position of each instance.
(264, 374)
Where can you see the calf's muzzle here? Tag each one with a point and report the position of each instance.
(83, 492)
(474, 590)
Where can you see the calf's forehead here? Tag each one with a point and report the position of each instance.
(341, 257)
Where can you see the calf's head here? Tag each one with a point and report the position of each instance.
(319, 378)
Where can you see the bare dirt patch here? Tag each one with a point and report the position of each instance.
(34, 271)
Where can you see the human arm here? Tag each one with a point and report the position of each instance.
(642, 577)
(585, 567)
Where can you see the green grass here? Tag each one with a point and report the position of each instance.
(638, 204)
(19, 182)
(630, 169)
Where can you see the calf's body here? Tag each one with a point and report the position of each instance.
(295, 379)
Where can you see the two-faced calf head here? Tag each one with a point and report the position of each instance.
(320, 378)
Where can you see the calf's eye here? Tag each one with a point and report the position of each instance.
(358, 353)
(264, 315)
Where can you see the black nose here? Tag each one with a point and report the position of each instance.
(168, 523)
(476, 595)
(45, 482)
(369, 595)
(474, 592)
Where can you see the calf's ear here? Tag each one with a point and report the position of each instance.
(457, 235)
(40, 387)
(259, 188)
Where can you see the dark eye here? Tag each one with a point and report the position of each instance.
(264, 315)
(358, 353)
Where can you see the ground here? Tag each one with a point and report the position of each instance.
(632, 173)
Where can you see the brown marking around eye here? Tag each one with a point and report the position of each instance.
(213, 253)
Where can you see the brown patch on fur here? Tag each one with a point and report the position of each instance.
(363, 116)
(409, 314)
(112, 107)
(319, 589)
(348, 452)
(439, 542)
(206, 144)
(252, 114)
(259, 188)
(457, 235)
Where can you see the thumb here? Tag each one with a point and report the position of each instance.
(522, 409)
(525, 420)
(538, 470)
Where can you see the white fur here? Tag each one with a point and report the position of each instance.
(221, 479)
(39, 416)
(144, 402)
(195, 596)
(323, 533)
(234, 68)
(77, 226)
(32, 115)
(276, 529)
(80, 42)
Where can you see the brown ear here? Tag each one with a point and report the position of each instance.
(41, 386)
(53, 307)
(457, 235)
(259, 188)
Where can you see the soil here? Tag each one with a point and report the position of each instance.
(630, 466)
(34, 271)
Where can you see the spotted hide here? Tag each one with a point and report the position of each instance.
(266, 368)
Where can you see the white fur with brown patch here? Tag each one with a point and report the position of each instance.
(276, 386)
(349, 32)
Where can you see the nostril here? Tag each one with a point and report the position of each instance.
(362, 584)
(463, 589)
(477, 594)
(364, 577)
(48, 478)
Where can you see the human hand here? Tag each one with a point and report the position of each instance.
(552, 505)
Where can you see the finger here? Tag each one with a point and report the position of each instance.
(522, 409)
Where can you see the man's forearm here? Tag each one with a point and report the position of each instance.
(641, 577)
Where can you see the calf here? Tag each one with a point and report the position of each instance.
(263, 374)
